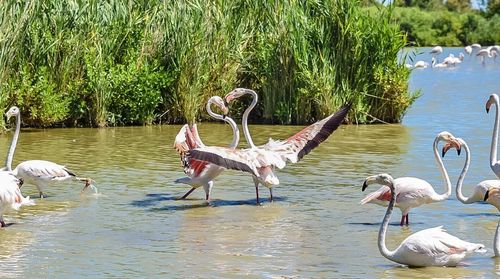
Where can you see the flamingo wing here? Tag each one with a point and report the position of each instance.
(297, 146)
(187, 140)
(196, 135)
(43, 169)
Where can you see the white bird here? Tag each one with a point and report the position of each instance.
(430, 247)
(414, 192)
(483, 53)
(260, 161)
(494, 54)
(475, 46)
(202, 173)
(38, 172)
(468, 50)
(438, 65)
(495, 47)
(481, 192)
(436, 51)
(10, 194)
(420, 64)
(452, 60)
(494, 163)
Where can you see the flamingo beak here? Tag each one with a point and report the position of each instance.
(88, 182)
(365, 184)
(449, 145)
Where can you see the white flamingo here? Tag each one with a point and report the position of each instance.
(475, 46)
(436, 51)
(483, 53)
(494, 163)
(10, 194)
(468, 50)
(40, 173)
(261, 161)
(420, 64)
(414, 192)
(430, 247)
(438, 65)
(481, 192)
(202, 173)
(452, 60)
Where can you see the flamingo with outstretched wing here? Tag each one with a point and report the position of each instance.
(261, 161)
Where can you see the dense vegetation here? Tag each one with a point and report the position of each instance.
(447, 23)
(100, 63)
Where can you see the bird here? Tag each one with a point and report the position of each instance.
(494, 54)
(429, 247)
(10, 194)
(40, 173)
(475, 46)
(261, 161)
(421, 65)
(452, 60)
(494, 163)
(481, 191)
(483, 53)
(438, 65)
(468, 50)
(414, 192)
(492, 196)
(436, 51)
(200, 173)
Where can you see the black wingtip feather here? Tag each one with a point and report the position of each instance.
(328, 128)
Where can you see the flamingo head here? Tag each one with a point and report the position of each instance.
(456, 143)
(13, 111)
(493, 99)
(450, 141)
(383, 179)
(219, 102)
(236, 93)
(492, 191)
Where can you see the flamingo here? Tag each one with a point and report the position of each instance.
(452, 60)
(436, 51)
(200, 173)
(475, 46)
(468, 50)
(483, 53)
(40, 173)
(10, 194)
(429, 247)
(421, 64)
(261, 161)
(438, 65)
(494, 163)
(414, 192)
(481, 192)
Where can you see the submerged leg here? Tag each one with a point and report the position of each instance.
(271, 194)
(407, 214)
(256, 182)
(2, 223)
(402, 220)
(187, 194)
(208, 189)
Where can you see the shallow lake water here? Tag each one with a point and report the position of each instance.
(315, 228)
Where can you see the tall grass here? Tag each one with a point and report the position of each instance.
(99, 63)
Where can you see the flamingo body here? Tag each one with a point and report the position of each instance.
(10, 194)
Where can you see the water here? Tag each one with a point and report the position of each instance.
(315, 228)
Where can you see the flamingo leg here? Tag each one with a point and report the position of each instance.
(271, 194)
(41, 195)
(402, 220)
(2, 223)
(187, 194)
(407, 222)
(256, 182)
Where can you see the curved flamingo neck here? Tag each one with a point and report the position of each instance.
(383, 228)
(461, 178)
(444, 173)
(236, 131)
(494, 137)
(12, 148)
(244, 123)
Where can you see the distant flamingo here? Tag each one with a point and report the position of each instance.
(483, 53)
(201, 173)
(38, 172)
(421, 65)
(494, 163)
(436, 51)
(430, 247)
(468, 50)
(414, 192)
(475, 46)
(261, 161)
(438, 65)
(482, 190)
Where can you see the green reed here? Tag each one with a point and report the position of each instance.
(99, 63)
